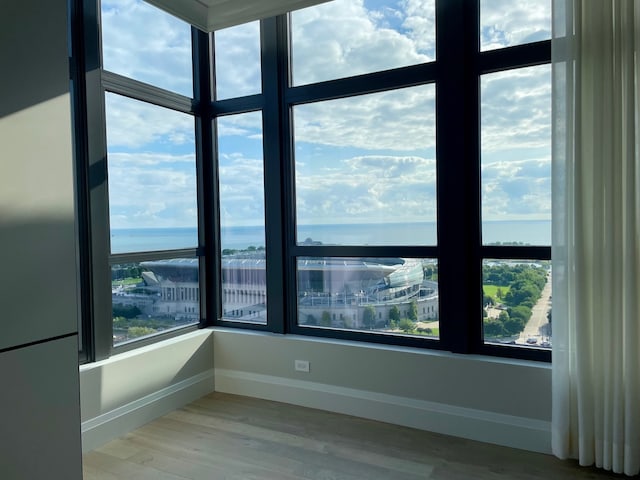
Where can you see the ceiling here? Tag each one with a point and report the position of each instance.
(210, 15)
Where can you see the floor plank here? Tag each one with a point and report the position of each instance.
(223, 436)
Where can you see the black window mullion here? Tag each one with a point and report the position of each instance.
(274, 78)
(98, 191)
(457, 146)
(207, 177)
(518, 56)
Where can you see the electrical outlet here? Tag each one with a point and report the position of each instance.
(301, 365)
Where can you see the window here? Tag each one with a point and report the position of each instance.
(379, 175)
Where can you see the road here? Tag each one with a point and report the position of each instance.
(538, 316)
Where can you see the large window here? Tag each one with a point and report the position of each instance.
(377, 170)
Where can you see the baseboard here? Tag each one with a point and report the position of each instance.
(119, 421)
(507, 430)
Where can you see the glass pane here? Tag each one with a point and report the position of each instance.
(386, 295)
(517, 302)
(350, 37)
(365, 169)
(237, 61)
(516, 156)
(152, 177)
(504, 23)
(241, 174)
(153, 297)
(144, 43)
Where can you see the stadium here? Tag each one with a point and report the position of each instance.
(343, 287)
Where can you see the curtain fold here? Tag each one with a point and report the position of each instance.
(596, 233)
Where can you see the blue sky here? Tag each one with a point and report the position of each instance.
(367, 159)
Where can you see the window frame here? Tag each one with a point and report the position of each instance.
(456, 73)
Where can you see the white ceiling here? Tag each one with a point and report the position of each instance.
(210, 15)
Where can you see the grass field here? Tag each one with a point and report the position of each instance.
(127, 281)
(491, 290)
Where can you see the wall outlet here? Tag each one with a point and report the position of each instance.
(301, 365)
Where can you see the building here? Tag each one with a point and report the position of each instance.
(343, 287)
(46, 397)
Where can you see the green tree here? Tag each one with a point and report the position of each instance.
(521, 312)
(406, 325)
(413, 311)
(493, 327)
(126, 311)
(514, 325)
(325, 320)
(133, 332)
(499, 294)
(369, 317)
(311, 320)
(486, 299)
(394, 314)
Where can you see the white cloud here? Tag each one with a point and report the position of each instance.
(152, 190)
(135, 124)
(398, 120)
(366, 158)
(505, 23)
(516, 110)
(343, 38)
(368, 189)
(238, 61)
(142, 42)
(517, 190)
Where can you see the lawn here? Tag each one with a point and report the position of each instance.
(492, 290)
(127, 281)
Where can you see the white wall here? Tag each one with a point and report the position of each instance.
(39, 404)
(500, 401)
(130, 389)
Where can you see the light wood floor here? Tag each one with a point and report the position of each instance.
(225, 436)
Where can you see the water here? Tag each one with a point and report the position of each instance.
(152, 239)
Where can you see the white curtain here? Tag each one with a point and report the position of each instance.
(596, 234)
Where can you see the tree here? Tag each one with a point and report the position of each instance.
(486, 299)
(413, 311)
(406, 325)
(514, 325)
(325, 320)
(369, 317)
(126, 311)
(311, 320)
(133, 332)
(493, 327)
(394, 314)
(521, 312)
(499, 294)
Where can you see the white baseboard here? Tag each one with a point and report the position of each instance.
(507, 430)
(119, 421)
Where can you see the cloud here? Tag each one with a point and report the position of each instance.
(133, 124)
(368, 189)
(147, 44)
(517, 190)
(152, 190)
(237, 61)
(343, 38)
(365, 158)
(516, 110)
(401, 119)
(504, 23)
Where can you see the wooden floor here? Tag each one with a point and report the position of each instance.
(225, 436)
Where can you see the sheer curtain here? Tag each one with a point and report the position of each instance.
(596, 236)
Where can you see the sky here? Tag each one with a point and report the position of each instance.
(366, 159)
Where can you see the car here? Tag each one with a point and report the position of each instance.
(532, 340)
